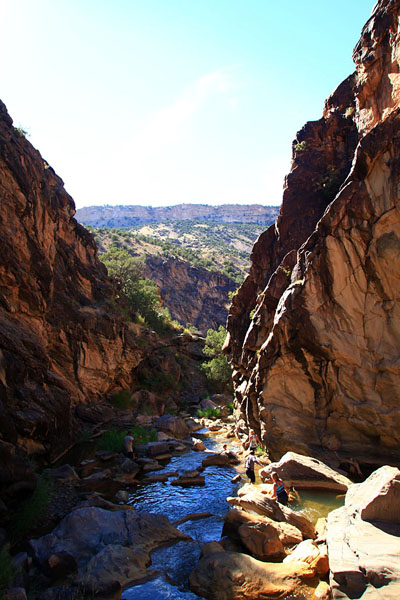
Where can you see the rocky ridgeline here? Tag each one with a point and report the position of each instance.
(130, 216)
(314, 336)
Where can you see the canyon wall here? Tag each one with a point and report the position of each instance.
(62, 344)
(192, 294)
(314, 331)
(130, 216)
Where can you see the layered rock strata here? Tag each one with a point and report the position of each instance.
(61, 342)
(130, 216)
(316, 368)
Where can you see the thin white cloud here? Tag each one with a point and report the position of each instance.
(167, 124)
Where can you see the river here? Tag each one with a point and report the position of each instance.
(173, 565)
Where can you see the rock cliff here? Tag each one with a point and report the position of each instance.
(314, 330)
(129, 216)
(61, 342)
(192, 294)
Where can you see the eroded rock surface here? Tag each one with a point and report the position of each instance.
(61, 342)
(363, 539)
(317, 366)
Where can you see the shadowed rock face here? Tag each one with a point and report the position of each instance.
(60, 343)
(317, 368)
(192, 294)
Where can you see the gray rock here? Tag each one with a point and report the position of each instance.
(17, 593)
(174, 426)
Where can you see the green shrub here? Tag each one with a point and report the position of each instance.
(230, 407)
(122, 399)
(300, 147)
(113, 440)
(7, 570)
(34, 508)
(209, 413)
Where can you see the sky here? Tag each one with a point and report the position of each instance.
(159, 102)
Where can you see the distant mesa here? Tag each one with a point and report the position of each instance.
(132, 216)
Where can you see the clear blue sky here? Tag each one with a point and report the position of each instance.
(158, 102)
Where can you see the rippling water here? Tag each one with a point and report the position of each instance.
(175, 563)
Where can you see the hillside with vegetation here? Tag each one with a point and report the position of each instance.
(219, 247)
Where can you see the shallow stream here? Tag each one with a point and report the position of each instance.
(174, 564)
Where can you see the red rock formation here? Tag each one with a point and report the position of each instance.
(317, 367)
(61, 343)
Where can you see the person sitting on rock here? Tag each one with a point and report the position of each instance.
(128, 445)
(280, 491)
(250, 462)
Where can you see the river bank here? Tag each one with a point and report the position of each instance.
(175, 523)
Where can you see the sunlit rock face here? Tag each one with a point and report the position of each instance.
(317, 365)
(60, 341)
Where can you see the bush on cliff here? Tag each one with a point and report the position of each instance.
(141, 293)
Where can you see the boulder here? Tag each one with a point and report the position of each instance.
(322, 591)
(365, 554)
(236, 479)
(315, 555)
(115, 563)
(221, 399)
(220, 460)
(63, 473)
(304, 472)
(198, 444)
(157, 448)
(207, 403)
(59, 565)
(189, 478)
(193, 424)
(263, 505)
(236, 576)
(262, 541)
(234, 519)
(174, 426)
(86, 532)
(211, 548)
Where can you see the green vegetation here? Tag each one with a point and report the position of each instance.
(112, 440)
(21, 132)
(7, 570)
(300, 147)
(209, 413)
(141, 293)
(217, 369)
(231, 407)
(34, 508)
(122, 399)
(219, 247)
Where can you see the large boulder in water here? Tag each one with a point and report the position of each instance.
(263, 505)
(304, 472)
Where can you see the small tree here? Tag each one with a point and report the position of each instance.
(217, 369)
